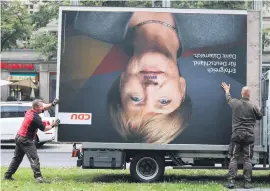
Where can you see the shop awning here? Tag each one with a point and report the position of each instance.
(22, 76)
(5, 82)
(27, 83)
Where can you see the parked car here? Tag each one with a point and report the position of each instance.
(12, 115)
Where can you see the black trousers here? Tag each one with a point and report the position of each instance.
(241, 145)
(24, 146)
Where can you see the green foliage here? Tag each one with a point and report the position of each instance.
(46, 43)
(15, 24)
(91, 3)
(215, 4)
(130, 3)
(45, 14)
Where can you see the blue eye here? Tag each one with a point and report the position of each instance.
(135, 98)
(164, 101)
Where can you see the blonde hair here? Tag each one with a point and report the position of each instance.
(142, 129)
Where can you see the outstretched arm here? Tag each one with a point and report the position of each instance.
(226, 88)
(49, 105)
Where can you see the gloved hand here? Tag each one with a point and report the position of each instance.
(56, 122)
(55, 101)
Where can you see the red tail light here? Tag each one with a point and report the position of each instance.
(75, 152)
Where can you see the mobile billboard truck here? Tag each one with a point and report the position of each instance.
(143, 86)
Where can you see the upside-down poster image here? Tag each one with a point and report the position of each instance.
(150, 77)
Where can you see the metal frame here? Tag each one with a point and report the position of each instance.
(119, 9)
(267, 117)
(58, 67)
(132, 9)
(207, 149)
(171, 147)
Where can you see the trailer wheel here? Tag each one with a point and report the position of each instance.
(147, 168)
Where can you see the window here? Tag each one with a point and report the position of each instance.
(13, 111)
(19, 111)
(31, 6)
(265, 68)
(265, 89)
(9, 111)
(52, 89)
(22, 110)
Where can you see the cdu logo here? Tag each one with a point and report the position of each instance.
(80, 116)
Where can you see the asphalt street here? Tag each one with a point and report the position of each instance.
(51, 155)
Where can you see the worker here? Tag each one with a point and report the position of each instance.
(244, 116)
(25, 136)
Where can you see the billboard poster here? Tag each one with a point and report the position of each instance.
(134, 75)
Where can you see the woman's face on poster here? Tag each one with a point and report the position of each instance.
(151, 84)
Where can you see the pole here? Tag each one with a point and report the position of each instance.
(74, 2)
(17, 93)
(163, 3)
(257, 5)
(166, 3)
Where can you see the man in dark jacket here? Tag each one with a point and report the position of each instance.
(244, 116)
(24, 140)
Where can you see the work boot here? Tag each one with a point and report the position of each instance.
(247, 185)
(41, 180)
(230, 184)
(8, 178)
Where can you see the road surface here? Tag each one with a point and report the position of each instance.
(51, 155)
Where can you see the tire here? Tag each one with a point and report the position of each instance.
(147, 167)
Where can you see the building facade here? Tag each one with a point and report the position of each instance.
(19, 65)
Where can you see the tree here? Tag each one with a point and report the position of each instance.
(15, 24)
(46, 42)
(216, 4)
(91, 3)
(130, 3)
(46, 13)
